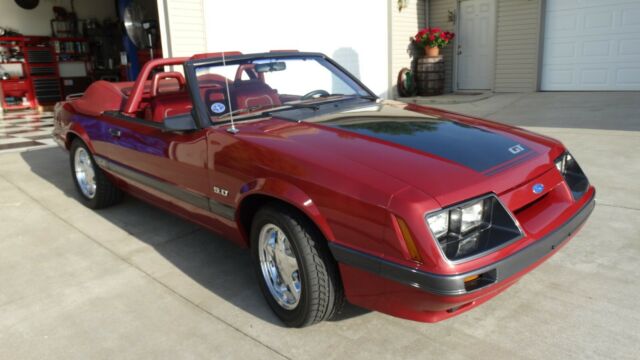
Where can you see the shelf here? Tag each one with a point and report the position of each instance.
(70, 39)
(16, 107)
(41, 81)
(26, 49)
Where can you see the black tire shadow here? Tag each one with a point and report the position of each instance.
(213, 262)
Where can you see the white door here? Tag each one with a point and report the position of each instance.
(476, 44)
(591, 45)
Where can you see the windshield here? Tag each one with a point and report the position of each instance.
(268, 83)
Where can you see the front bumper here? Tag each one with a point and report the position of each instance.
(447, 292)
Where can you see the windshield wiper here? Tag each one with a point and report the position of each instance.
(366, 97)
(288, 106)
(248, 110)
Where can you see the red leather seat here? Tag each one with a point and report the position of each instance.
(250, 93)
(166, 105)
(161, 104)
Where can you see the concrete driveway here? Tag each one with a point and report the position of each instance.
(134, 282)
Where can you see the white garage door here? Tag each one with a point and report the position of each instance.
(591, 45)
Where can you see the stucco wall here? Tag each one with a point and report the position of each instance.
(354, 32)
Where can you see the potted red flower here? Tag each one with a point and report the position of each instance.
(432, 40)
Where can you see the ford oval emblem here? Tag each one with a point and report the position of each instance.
(537, 188)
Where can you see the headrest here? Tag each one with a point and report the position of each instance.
(155, 81)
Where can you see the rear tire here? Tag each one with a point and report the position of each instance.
(95, 189)
(320, 295)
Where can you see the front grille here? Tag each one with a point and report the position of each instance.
(529, 205)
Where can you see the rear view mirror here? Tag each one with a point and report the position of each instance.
(271, 66)
(184, 122)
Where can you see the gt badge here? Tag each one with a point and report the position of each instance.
(218, 108)
(516, 149)
(537, 188)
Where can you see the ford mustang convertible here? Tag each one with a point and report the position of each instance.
(408, 210)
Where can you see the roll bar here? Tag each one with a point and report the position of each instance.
(138, 87)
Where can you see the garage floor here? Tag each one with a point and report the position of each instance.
(25, 130)
(134, 282)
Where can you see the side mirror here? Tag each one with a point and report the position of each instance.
(184, 122)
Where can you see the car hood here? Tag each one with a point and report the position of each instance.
(448, 156)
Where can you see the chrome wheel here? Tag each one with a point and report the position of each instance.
(85, 175)
(279, 266)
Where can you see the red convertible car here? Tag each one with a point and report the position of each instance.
(412, 211)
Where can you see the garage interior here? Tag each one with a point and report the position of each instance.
(51, 49)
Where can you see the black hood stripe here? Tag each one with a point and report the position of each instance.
(473, 147)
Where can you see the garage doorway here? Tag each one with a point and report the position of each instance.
(476, 45)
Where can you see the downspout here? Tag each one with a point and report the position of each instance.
(390, 93)
(426, 13)
(542, 10)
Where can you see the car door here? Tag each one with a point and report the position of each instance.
(169, 166)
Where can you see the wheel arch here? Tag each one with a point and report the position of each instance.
(282, 193)
(76, 131)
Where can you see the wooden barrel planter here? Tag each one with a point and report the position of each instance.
(429, 76)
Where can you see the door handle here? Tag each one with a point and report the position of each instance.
(115, 132)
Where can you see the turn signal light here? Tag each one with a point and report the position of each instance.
(471, 278)
(408, 240)
(475, 282)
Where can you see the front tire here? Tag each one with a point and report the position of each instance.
(297, 275)
(95, 189)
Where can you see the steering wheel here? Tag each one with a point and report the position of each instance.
(315, 94)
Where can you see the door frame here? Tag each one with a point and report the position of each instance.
(456, 60)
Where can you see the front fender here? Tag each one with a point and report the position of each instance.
(289, 193)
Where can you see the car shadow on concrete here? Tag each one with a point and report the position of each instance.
(213, 262)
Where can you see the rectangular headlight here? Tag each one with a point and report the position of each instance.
(573, 174)
(473, 227)
(458, 220)
(471, 216)
(560, 164)
(439, 223)
(562, 161)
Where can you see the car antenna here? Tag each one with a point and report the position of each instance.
(233, 129)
